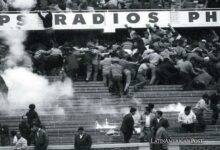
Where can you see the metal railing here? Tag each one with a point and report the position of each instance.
(115, 10)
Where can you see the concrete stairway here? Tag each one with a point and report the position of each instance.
(92, 102)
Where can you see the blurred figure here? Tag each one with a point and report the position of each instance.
(162, 134)
(21, 144)
(14, 137)
(40, 138)
(201, 106)
(32, 116)
(127, 127)
(116, 76)
(214, 101)
(3, 5)
(72, 65)
(83, 141)
(25, 129)
(105, 65)
(4, 136)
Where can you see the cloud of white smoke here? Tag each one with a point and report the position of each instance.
(173, 108)
(17, 56)
(22, 4)
(26, 87)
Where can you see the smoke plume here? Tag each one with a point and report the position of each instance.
(173, 108)
(17, 56)
(26, 87)
(22, 4)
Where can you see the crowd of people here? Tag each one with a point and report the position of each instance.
(159, 56)
(154, 126)
(151, 122)
(92, 5)
(32, 132)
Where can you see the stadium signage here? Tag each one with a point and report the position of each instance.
(109, 21)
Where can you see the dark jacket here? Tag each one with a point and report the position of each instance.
(47, 20)
(32, 117)
(155, 125)
(41, 140)
(25, 130)
(84, 143)
(127, 124)
(214, 98)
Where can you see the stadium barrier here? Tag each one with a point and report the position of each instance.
(138, 146)
(116, 19)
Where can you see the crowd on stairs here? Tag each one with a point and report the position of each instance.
(161, 56)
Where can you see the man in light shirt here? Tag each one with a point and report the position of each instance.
(187, 119)
(201, 106)
(145, 121)
(21, 144)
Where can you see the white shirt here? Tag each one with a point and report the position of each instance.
(186, 119)
(80, 136)
(147, 120)
(201, 104)
(15, 140)
(21, 144)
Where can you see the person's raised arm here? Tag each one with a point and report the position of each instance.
(163, 30)
(148, 31)
(216, 37)
(40, 15)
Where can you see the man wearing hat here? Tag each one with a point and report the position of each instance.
(83, 141)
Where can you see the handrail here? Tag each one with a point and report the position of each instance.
(115, 10)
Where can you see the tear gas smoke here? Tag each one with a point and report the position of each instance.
(22, 4)
(17, 56)
(173, 108)
(26, 87)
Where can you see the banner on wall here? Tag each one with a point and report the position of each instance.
(110, 21)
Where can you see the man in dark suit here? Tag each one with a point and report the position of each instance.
(127, 126)
(40, 138)
(83, 141)
(156, 123)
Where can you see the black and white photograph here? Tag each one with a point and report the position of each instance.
(109, 74)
